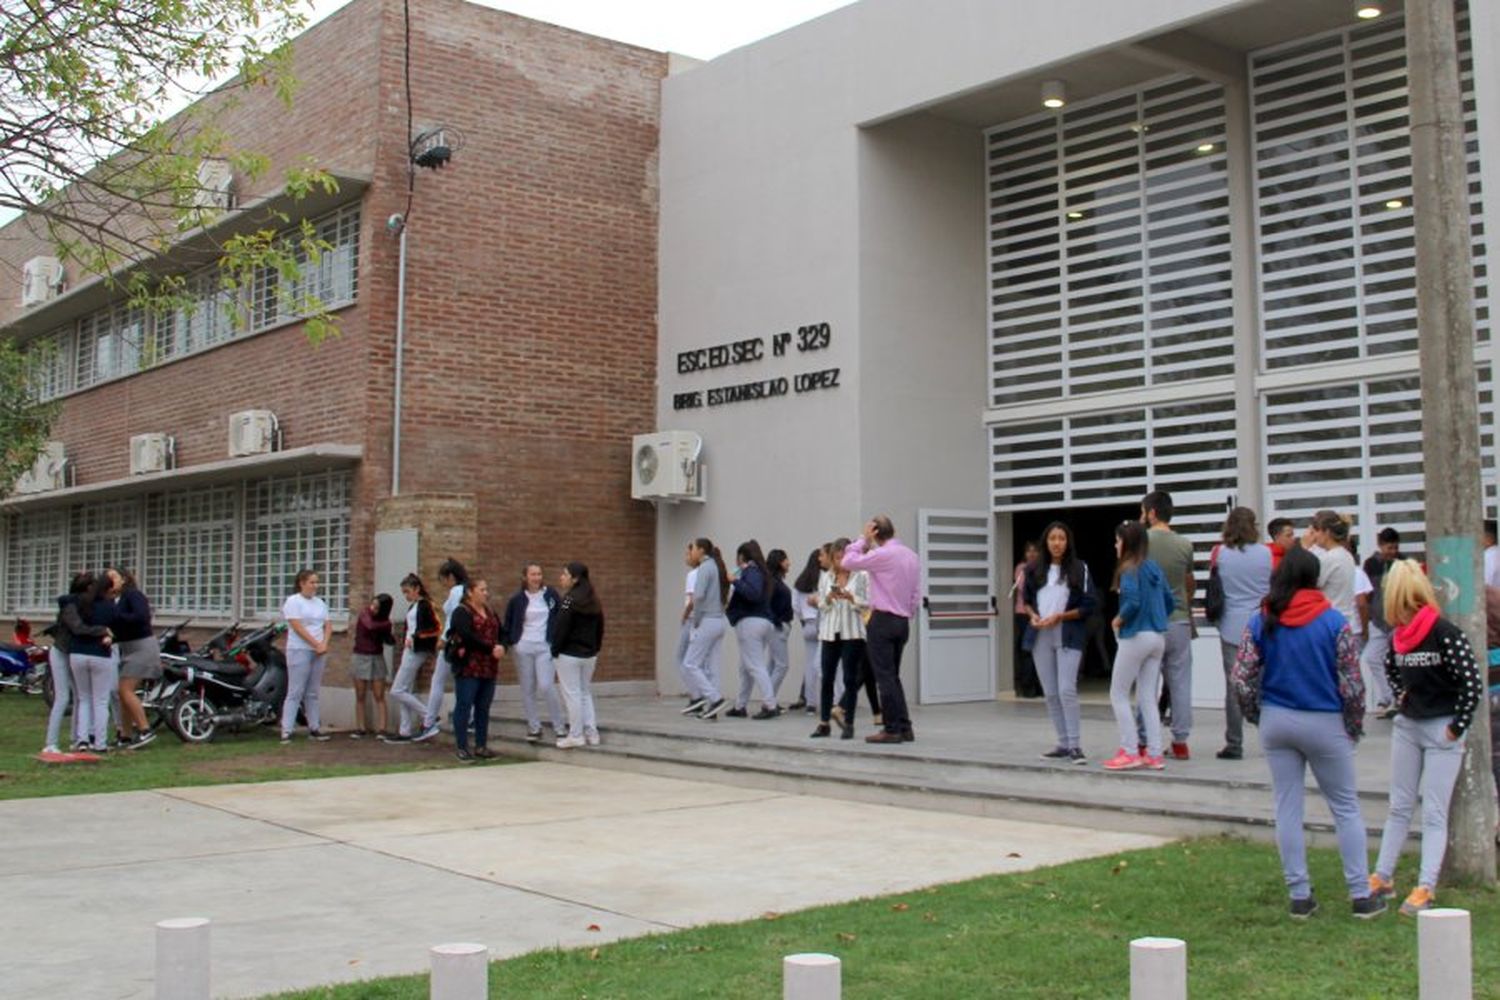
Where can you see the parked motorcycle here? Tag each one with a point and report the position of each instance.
(243, 688)
(23, 663)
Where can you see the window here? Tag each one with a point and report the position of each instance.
(295, 523)
(34, 561)
(215, 552)
(117, 340)
(190, 551)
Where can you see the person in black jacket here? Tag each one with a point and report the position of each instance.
(781, 619)
(1437, 685)
(92, 660)
(474, 648)
(1059, 597)
(749, 612)
(139, 656)
(423, 627)
(68, 624)
(528, 621)
(576, 637)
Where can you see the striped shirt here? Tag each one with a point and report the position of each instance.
(843, 619)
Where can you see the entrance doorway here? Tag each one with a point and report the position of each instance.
(1094, 536)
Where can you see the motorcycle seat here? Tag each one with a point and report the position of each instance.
(228, 668)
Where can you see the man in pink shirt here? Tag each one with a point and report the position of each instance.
(895, 581)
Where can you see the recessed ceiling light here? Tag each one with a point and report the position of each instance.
(1367, 11)
(1395, 203)
(1054, 94)
(1075, 215)
(1206, 147)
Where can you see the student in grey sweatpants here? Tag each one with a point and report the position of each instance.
(1437, 685)
(1297, 678)
(1058, 597)
(706, 626)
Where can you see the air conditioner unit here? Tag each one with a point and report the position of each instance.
(49, 472)
(665, 466)
(41, 280)
(151, 453)
(253, 432)
(215, 185)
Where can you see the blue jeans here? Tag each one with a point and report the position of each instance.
(472, 697)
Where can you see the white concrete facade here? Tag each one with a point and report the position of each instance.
(836, 173)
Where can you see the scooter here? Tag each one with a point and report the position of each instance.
(23, 663)
(243, 688)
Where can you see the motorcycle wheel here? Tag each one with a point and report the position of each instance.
(49, 690)
(192, 718)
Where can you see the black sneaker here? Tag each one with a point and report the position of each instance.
(394, 738)
(1056, 753)
(766, 712)
(1077, 756)
(1368, 908)
(712, 711)
(484, 753)
(357, 734)
(823, 731)
(736, 713)
(1301, 909)
(695, 706)
(1231, 753)
(846, 731)
(464, 757)
(797, 705)
(534, 736)
(318, 736)
(142, 739)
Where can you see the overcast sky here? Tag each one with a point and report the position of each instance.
(699, 28)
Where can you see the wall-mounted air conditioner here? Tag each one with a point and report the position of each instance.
(41, 280)
(253, 432)
(49, 472)
(665, 466)
(151, 453)
(215, 185)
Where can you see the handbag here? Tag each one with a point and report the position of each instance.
(1213, 596)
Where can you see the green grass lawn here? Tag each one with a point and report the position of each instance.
(253, 755)
(1056, 932)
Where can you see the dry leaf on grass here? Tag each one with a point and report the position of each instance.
(846, 937)
(900, 907)
(594, 954)
(770, 915)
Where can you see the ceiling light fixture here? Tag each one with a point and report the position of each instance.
(1395, 203)
(1367, 11)
(1054, 94)
(1075, 215)
(1206, 147)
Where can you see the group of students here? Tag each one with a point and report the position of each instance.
(103, 650)
(831, 602)
(1301, 623)
(554, 635)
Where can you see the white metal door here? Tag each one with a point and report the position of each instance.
(956, 633)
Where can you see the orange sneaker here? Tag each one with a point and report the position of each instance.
(1381, 888)
(1421, 898)
(1123, 761)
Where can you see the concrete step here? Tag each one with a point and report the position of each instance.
(1171, 802)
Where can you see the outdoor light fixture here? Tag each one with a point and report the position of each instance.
(1206, 147)
(1367, 11)
(1075, 215)
(1054, 94)
(1395, 203)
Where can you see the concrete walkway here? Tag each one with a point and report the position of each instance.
(312, 882)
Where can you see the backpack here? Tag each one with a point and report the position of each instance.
(1213, 595)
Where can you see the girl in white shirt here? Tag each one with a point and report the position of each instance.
(306, 655)
(1326, 537)
(805, 603)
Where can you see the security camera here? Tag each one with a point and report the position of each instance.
(395, 224)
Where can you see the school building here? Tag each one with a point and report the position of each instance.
(217, 451)
(982, 265)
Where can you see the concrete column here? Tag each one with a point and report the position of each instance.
(460, 972)
(1240, 164)
(182, 959)
(1444, 957)
(1158, 969)
(811, 976)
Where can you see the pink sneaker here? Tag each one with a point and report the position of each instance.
(1151, 763)
(1124, 761)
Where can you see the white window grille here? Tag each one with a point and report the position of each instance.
(1333, 196)
(53, 374)
(116, 340)
(291, 524)
(105, 535)
(190, 551)
(34, 561)
(1109, 247)
(1115, 457)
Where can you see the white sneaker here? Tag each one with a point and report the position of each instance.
(49, 750)
(569, 742)
(592, 739)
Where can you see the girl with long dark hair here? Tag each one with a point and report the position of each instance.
(92, 660)
(700, 663)
(805, 601)
(474, 630)
(423, 628)
(577, 636)
(781, 619)
(1244, 570)
(1297, 678)
(451, 574)
(1141, 624)
(528, 620)
(749, 612)
(68, 625)
(368, 667)
(1059, 596)
(139, 654)
(843, 599)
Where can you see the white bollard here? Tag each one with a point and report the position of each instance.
(811, 976)
(460, 972)
(182, 959)
(1444, 956)
(1158, 969)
